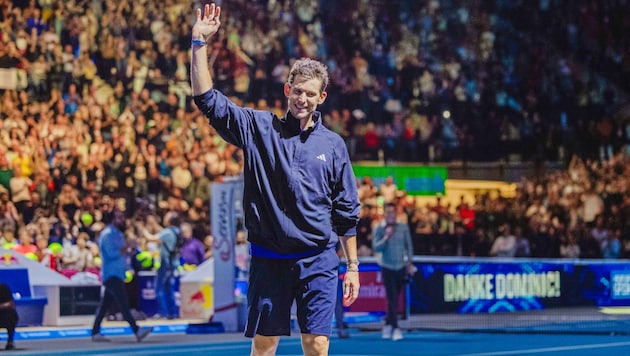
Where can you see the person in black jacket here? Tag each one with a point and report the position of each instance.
(8, 314)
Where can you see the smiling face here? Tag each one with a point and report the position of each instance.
(303, 96)
(306, 88)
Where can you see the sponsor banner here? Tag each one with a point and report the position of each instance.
(415, 180)
(21, 334)
(620, 284)
(147, 295)
(372, 297)
(223, 224)
(469, 285)
(198, 297)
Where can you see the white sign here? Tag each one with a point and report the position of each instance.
(223, 224)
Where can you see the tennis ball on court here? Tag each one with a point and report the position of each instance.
(145, 258)
(55, 247)
(31, 256)
(87, 219)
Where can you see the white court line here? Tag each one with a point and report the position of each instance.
(550, 349)
(195, 349)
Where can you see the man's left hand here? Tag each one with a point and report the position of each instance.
(350, 287)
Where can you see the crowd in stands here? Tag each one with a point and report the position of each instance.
(96, 114)
(580, 212)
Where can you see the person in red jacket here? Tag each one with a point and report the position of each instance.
(45, 256)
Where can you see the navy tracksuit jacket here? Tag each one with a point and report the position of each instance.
(300, 192)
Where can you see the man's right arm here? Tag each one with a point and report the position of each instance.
(113, 245)
(206, 26)
(378, 238)
(200, 77)
(224, 115)
(105, 244)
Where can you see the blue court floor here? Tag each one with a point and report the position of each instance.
(360, 343)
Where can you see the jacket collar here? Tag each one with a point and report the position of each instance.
(292, 125)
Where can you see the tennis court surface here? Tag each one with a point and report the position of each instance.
(360, 343)
(579, 331)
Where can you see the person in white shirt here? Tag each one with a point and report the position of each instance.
(78, 256)
(505, 244)
(388, 190)
(570, 248)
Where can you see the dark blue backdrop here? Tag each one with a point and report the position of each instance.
(475, 285)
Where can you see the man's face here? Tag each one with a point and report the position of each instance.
(303, 96)
(390, 215)
(119, 220)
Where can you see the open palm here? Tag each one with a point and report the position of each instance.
(208, 24)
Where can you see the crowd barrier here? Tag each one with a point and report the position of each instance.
(489, 285)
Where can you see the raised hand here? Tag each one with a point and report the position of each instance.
(208, 24)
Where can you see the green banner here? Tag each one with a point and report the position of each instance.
(415, 180)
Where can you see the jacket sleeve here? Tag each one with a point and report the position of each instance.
(345, 198)
(378, 243)
(168, 239)
(232, 122)
(408, 243)
(110, 248)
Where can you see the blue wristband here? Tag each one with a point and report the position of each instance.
(197, 42)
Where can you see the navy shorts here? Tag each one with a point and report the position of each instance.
(275, 283)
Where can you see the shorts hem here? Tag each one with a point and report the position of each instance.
(252, 334)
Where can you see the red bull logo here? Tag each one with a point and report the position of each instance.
(7, 259)
(197, 297)
(203, 296)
